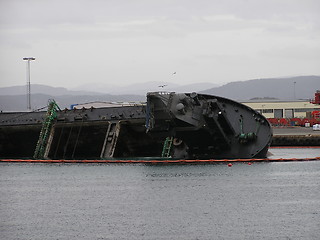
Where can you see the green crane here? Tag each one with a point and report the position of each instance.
(46, 129)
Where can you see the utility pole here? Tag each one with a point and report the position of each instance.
(294, 91)
(28, 59)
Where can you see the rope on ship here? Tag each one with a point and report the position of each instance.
(77, 140)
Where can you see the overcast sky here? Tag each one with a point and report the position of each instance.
(119, 42)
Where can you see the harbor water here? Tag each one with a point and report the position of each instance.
(265, 200)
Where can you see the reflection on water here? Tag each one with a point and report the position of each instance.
(135, 201)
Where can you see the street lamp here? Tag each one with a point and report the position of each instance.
(28, 59)
(294, 91)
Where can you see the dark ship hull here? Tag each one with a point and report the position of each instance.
(169, 125)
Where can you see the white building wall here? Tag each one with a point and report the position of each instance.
(298, 109)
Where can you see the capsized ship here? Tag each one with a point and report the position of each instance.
(168, 125)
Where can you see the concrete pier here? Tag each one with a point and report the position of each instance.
(295, 136)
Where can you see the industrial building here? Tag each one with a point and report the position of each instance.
(288, 109)
(284, 109)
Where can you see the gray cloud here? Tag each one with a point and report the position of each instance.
(123, 41)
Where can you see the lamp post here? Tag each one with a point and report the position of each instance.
(28, 59)
(294, 91)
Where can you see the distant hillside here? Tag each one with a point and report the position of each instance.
(280, 88)
(14, 98)
(196, 87)
(143, 88)
(19, 102)
(42, 89)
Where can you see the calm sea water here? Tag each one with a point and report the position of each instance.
(133, 201)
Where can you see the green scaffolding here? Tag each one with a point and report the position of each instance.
(167, 147)
(46, 129)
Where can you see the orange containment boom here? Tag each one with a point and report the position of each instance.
(161, 161)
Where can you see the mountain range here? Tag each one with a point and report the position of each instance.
(143, 88)
(301, 87)
(292, 88)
